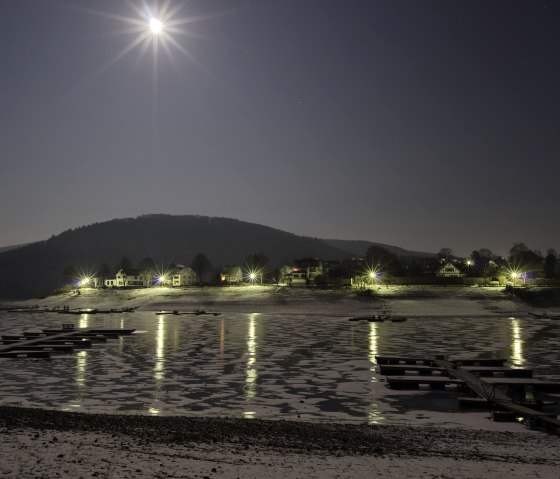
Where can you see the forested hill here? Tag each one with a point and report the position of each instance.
(36, 269)
(358, 248)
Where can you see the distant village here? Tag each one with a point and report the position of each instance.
(378, 267)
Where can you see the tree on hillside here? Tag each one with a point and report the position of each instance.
(380, 259)
(484, 262)
(257, 264)
(550, 264)
(147, 265)
(200, 265)
(103, 273)
(70, 273)
(283, 275)
(521, 257)
(336, 275)
(445, 255)
(125, 265)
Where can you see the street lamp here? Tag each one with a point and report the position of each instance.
(514, 274)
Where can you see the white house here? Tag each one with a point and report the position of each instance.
(184, 277)
(123, 280)
(448, 270)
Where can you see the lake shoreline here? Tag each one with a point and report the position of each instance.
(412, 301)
(62, 444)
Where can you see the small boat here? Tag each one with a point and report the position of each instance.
(398, 319)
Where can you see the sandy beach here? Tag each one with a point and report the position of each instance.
(53, 443)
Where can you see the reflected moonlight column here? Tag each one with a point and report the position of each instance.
(517, 356)
(251, 372)
(373, 417)
(159, 366)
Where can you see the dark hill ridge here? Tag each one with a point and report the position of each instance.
(36, 269)
(359, 247)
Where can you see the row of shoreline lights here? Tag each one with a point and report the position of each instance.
(252, 276)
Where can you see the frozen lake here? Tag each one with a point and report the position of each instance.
(307, 362)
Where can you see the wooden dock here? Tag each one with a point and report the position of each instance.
(51, 341)
(484, 378)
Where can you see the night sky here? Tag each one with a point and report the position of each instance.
(422, 124)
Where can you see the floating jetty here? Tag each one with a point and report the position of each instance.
(379, 318)
(43, 344)
(196, 312)
(484, 379)
(96, 311)
(545, 315)
(67, 310)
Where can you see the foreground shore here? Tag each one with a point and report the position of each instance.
(49, 443)
(43, 443)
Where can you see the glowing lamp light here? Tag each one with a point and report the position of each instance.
(469, 262)
(161, 279)
(85, 281)
(372, 274)
(252, 276)
(155, 25)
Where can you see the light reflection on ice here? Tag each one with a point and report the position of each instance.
(516, 343)
(251, 371)
(373, 347)
(159, 373)
(81, 368)
(84, 320)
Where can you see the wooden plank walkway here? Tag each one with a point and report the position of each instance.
(396, 369)
(61, 340)
(483, 377)
(414, 382)
(486, 389)
(496, 362)
(493, 371)
(402, 360)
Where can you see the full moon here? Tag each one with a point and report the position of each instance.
(155, 25)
